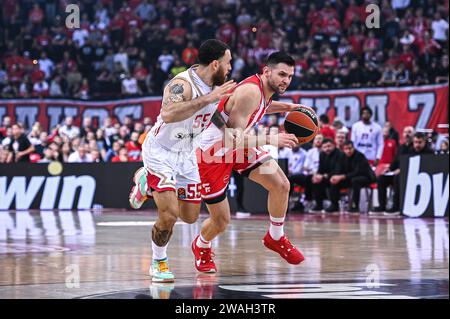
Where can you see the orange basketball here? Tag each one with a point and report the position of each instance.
(303, 123)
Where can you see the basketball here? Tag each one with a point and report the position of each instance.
(303, 123)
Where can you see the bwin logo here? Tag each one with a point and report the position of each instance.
(436, 186)
(25, 195)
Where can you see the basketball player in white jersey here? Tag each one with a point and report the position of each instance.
(170, 171)
(367, 136)
(251, 99)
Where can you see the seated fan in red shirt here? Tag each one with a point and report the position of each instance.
(389, 151)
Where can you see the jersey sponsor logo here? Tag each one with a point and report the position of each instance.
(365, 145)
(183, 136)
(181, 193)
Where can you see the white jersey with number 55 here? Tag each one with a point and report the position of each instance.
(179, 136)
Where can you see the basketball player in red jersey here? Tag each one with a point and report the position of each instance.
(251, 99)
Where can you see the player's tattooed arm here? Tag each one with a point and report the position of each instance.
(176, 91)
(178, 104)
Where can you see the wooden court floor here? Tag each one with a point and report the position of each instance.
(94, 254)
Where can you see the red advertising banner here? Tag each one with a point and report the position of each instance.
(50, 112)
(421, 107)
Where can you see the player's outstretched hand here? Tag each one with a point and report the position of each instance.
(221, 92)
(284, 140)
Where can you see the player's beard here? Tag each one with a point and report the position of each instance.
(219, 77)
(275, 87)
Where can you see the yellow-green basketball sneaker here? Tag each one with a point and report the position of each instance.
(159, 271)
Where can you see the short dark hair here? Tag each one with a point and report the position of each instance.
(324, 119)
(328, 140)
(280, 57)
(348, 142)
(420, 135)
(368, 109)
(211, 50)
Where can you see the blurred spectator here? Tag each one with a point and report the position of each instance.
(4, 154)
(7, 137)
(310, 167)
(128, 123)
(33, 136)
(134, 148)
(36, 15)
(389, 148)
(367, 136)
(142, 76)
(190, 54)
(56, 89)
(113, 151)
(340, 139)
(330, 164)
(146, 11)
(356, 174)
(130, 86)
(389, 75)
(438, 72)
(325, 128)
(122, 156)
(166, 60)
(66, 150)
(46, 65)
(80, 155)
(41, 89)
(20, 147)
(86, 126)
(440, 29)
(96, 156)
(68, 129)
(48, 156)
(393, 134)
(41, 144)
(443, 148)
(389, 176)
(108, 127)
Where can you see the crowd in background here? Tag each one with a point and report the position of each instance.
(68, 143)
(129, 48)
(337, 159)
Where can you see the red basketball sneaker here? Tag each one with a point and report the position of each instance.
(203, 258)
(284, 248)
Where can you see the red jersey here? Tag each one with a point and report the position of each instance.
(389, 151)
(213, 135)
(328, 132)
(134, 151)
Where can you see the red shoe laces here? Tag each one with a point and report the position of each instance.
(286, 244)
(206, 254)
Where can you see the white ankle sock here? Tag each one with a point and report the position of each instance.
(159, 252)
(202, 242)
(276, 229)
